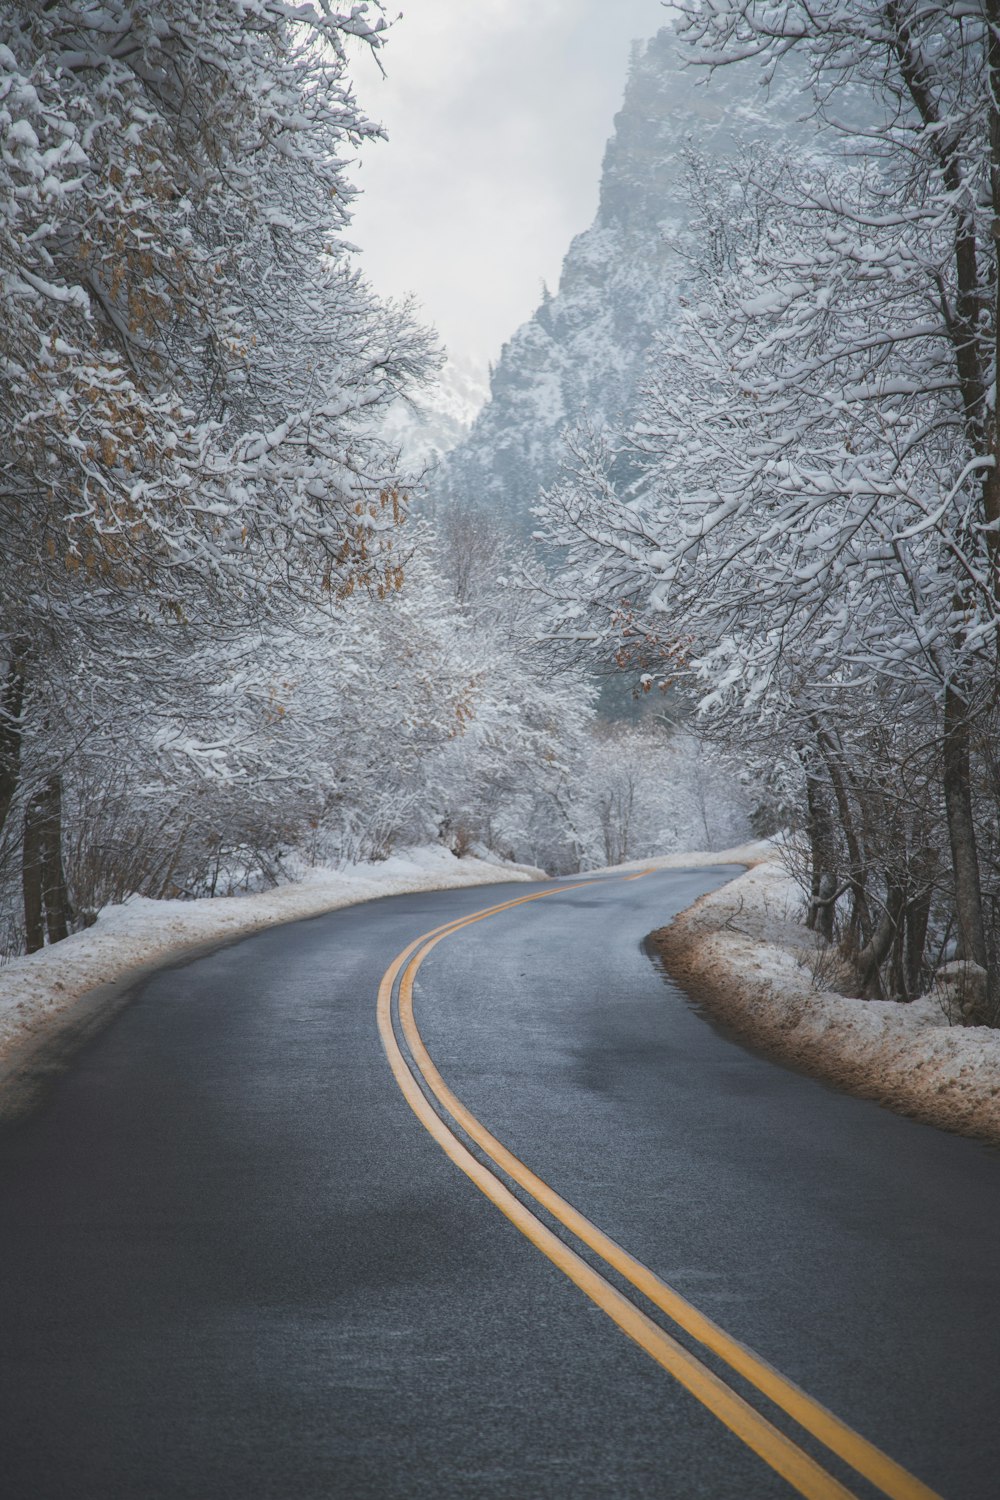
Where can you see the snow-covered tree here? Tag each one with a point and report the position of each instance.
(509, 783)
(192, 370)
(816, 533)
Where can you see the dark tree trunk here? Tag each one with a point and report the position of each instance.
(58, 913)
(899, 988)
(874, 953)
(11, 704)
(821, 848)
(860, 926)
(46, 899)
(991, 480)
(918, 912)
(962, 829)
(31, 874)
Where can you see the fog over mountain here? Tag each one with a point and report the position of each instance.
(437, 418)
(581, 355)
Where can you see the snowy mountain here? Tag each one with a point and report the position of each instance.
(582, 353)
(438, 418)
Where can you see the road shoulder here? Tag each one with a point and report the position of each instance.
(741, 952)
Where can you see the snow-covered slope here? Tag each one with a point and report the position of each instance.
(582, 352)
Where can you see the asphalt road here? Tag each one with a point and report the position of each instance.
(233, 1262)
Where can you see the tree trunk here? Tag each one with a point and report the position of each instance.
(918, 911)
(962, 829)
(861, 924)
(991, 480)
(46, 899)
(821, 848)
(11, 704)
(899, 988)
(874, 953)
(58, 913)
(31, 874)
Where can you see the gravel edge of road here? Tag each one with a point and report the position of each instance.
(717, 971)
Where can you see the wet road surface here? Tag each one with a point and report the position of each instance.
(233, 1262)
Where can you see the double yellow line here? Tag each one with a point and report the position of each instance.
(801, 1471)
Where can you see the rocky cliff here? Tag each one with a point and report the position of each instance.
(581, 355)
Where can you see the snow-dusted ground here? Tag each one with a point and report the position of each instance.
(38, 993)
(744, 950)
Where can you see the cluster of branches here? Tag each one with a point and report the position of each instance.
(210, 668)
(540, 775)
(815, 536)
(191, 379)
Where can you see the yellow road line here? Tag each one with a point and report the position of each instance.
(868, 1460)
(801, 1471)
(863, 1456)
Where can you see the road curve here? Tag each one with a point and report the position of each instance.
(235, 1263)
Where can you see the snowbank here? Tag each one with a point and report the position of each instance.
(40, 994)
(744, 952)
(741, 949)
(698, 859)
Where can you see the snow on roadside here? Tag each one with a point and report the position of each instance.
(743, 950)
(38, 992)
(698, 859)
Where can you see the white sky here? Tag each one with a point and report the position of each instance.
(497, 113)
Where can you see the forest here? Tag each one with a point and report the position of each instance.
(243, 634)
(811, 525)
(234, 643)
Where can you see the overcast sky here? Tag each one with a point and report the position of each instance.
(497, 113)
